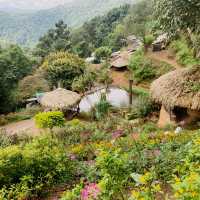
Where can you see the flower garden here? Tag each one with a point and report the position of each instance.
(109, 159)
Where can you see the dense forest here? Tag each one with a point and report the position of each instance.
(20, 26)
(109, 152)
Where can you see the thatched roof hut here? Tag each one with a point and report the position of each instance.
(60, 99)
(120, 63)
(180, 88)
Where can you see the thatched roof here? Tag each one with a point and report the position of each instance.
(60, 99)
(120, 62)
(179, 88)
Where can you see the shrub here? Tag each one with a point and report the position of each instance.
(148, 40)
(141, 67)
(50, 119)
(141, 107)
(27, 170)
(84, 82)
(102, 53)
(184, 54)
(102, 108)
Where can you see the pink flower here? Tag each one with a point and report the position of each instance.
(117, 134)
(90, 192)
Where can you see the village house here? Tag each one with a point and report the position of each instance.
(179, 94)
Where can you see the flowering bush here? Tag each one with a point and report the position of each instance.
(50, 119)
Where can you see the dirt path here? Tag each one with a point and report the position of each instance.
(26, 126)
(165, 57)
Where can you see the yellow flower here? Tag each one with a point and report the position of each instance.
(135, 194)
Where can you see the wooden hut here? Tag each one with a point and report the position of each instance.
(120, 63)
(61, 99)
(179, 94)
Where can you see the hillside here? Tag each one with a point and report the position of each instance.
(26, 28)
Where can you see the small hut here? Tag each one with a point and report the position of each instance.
(120, 63)
(179, 94)
(61, 99)
(160, 43)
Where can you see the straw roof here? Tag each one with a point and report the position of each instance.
(60, 99)
(180, 88)
(122, 60)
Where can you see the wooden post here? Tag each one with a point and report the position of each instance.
(130, 92)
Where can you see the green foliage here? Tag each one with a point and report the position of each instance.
(148, 40)
(14, 65)
(63, 67)
(19, 115)
(183, 52)
(142, 107)
(114, 170)
(102, 53)
(102, 108)
(26, 28)
(96, 32)
(26, 171)
(54, 40)
(50, 119)
(30, 85)
(141, 67)
(176, 15)
(85, 82)
(73, 194)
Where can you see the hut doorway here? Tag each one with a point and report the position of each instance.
(180, 113)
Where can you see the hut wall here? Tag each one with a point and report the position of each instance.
(165, 118)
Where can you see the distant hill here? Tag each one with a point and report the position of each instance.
(26, 27)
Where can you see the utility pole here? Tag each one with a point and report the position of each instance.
(130, 91)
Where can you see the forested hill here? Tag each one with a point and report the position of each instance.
(26, 28)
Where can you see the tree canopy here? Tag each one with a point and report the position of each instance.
(14, 65)
(63, 67)
(174, 15)
(57, 39)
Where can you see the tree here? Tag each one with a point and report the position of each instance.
(102, 53)
(30, 85)
(139, 20)
(57, 39)
(174, 15)
(63, 67)
(14, 65)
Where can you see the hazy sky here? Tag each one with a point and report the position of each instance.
(32, 4)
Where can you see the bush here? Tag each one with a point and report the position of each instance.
(102, 108)
(184, 54)
(142, 107)
(102, 53)
(27, 170)
(141, 67)
(50, 119)
(148, 40)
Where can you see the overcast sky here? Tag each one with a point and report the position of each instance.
(33, 4)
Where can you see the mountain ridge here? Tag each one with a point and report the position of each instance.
(25, 29)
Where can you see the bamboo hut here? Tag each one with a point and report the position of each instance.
(61, 99)
(179, 94)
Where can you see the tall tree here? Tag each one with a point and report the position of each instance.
(175, 15)
(14, 65)
(57, 39)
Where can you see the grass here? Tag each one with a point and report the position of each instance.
(20, 115)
